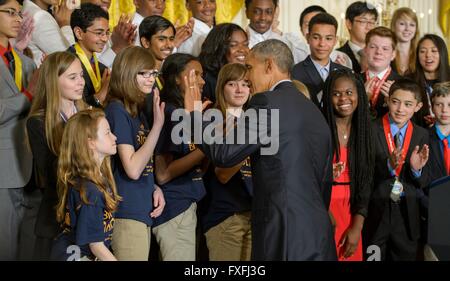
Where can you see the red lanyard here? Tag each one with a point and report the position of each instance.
(390, 140)
(377, 88)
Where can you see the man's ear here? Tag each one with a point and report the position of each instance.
(136, 4)
(348, 24)
(418, 106)
(78, 32)
(269, 65)
(145, 43)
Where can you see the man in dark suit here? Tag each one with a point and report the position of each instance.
(360, 18)
(314, 70)
(292, 183)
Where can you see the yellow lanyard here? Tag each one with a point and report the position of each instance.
(17, 70)
(95, 77)
(158, 83)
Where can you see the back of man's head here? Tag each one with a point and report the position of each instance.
(277, 50)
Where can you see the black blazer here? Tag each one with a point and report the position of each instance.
(435, 167)
(379, 203)
(292, 188)
(381, 107)
(45, 163)
(89, 90)
(306, 72)
(355, 63)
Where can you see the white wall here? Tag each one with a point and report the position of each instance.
(290, 13)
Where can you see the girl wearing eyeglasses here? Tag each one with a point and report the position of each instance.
(136, 141)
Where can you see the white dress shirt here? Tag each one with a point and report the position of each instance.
(47, 37)
(193, 45)
(137, 19)
(355, 49)
(301, 50)
(380, 75)
(255, 37)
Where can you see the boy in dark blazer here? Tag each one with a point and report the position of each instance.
(401, 149)
(314, 70)
(380, 52)
(360, 18)
(438, 165)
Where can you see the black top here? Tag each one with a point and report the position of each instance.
(227, 199)
(45, 163)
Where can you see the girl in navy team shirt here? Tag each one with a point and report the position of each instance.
(178, 167)
(226, 223)
(132, 78)
(86, 188)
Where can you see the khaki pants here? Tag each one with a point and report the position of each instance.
(131, 240)
(231, 240)
(176, 238)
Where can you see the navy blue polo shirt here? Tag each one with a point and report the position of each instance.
(137, 203)
(84, 223)
(186, 189)
(224, 200)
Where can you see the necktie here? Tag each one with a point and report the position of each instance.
(398, 140)
(9, 56)
(324, 73)
(446, 155)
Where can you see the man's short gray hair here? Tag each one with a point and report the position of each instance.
(276, 49)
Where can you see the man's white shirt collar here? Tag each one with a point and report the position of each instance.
(379, 75)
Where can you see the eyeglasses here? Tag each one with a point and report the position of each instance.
(366, 23)
(13, 13)
(100, 33)
(148, 74)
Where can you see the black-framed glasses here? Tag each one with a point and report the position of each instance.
(366, 22)
(100, 33)
(147, 74)
(12, 13)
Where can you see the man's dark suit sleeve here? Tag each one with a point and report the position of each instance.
(327, 182)
(228, 155)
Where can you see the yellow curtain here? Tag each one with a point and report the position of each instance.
(444, 16)
(444, 19)
(176, 10)
(119, 7)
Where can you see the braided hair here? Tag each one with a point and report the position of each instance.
(361, 158)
